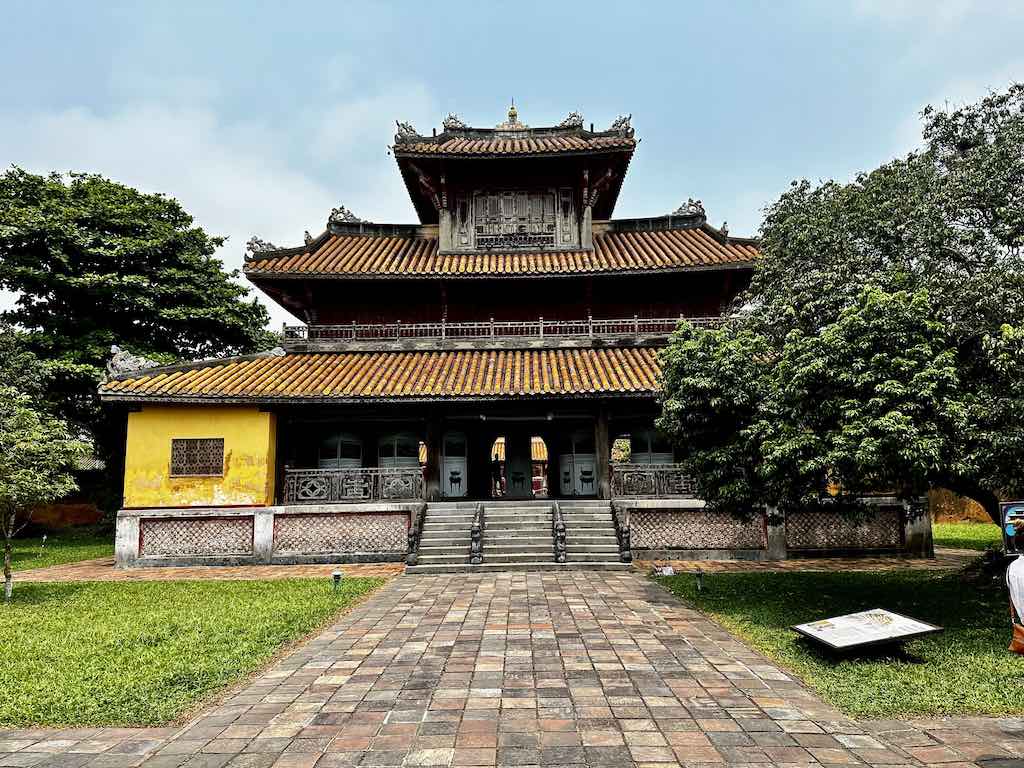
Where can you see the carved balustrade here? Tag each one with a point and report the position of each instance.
(651, 481)
(330, 486)
(489, 329)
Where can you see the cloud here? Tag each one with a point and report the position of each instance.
(934, 12)
(237, 178)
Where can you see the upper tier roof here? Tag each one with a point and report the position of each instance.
(667, 243)
(513, 138)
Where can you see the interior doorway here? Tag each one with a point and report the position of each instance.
(454, 478)
(518, 472)
(577, 463)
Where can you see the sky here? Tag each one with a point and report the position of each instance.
(261, 117)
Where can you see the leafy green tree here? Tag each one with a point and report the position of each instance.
(37, 454)
(96, 263)
(878, 346)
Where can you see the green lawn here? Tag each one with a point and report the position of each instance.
(966, 535)
(965, 670)
(65, 546)
(122, 653)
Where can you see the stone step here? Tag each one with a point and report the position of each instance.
(444, 559)
(591, 557)
(524, 567)
(501, 550)
(588, 549)
(516, 556)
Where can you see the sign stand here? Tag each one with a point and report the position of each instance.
(867, 628)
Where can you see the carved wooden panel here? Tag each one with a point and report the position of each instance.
(489, 220)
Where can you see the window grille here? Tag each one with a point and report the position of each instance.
(197, 456)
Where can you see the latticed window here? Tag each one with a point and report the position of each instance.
(192, 456)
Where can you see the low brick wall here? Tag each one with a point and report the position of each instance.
(685, 529)
(694, 529)
(337, 533)
(826, 531)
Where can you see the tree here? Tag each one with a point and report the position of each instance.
(37, 454)
(95, 263)
(878, 346)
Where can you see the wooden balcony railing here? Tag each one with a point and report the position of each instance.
(539, 329)
(653, 481)
(331, 486)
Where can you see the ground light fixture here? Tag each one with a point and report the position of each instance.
(336, 578)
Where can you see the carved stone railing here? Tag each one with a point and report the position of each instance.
(332, 486)
(299, 335)
(621, 519)
(652, 481)
(415, 532)
(558, 532)
(476, 537)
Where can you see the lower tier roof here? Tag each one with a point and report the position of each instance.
(398, 376)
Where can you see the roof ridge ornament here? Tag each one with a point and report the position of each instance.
(690, 208)
(453, 123)
(405, 131)
(512, 124)
(621, 124)
(122, 361)
(342, 215)
(257, 245)
(573, 120)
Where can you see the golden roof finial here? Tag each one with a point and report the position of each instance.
(513, 116)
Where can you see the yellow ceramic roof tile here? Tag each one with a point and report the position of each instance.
(379, 255)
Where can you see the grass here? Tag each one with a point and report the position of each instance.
(965, 670)
(967, 535)
(122, 653)
(68, 545)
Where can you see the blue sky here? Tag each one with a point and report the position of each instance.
(260, 117)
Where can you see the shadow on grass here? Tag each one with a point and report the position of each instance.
(32, 593)
(883, 652)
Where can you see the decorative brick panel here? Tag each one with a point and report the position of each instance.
(325, 534)
(827, 530)
(696, 529)
(195, 536)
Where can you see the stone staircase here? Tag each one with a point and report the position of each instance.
(517, 537)
(444, 541)
(590, 532)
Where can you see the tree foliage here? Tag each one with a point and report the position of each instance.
(96, 263)
(879, 344)
(37, 455)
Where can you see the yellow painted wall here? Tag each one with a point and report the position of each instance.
(250, 438)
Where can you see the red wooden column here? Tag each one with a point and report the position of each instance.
(434, 435)
(602, 454)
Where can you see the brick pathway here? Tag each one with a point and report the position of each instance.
(945, 559)
(102, 569)
(521, 669)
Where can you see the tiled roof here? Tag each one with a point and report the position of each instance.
(353, 255)
(539, 144)
(400, 376)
